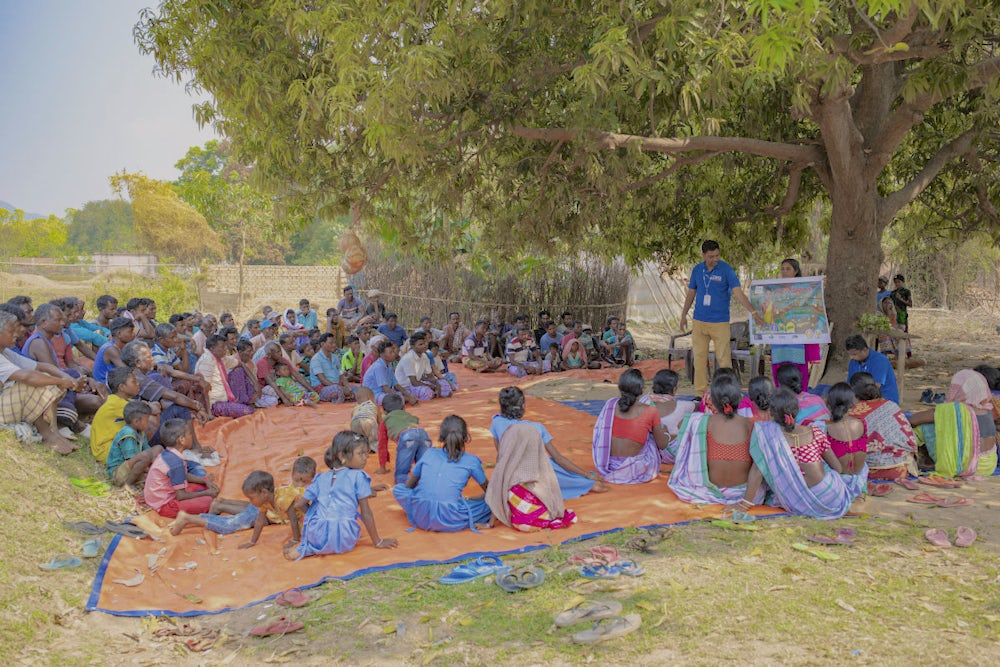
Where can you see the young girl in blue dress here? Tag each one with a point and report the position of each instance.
(432, 495)
(335, 501)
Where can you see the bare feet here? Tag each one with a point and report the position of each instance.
(291, 551)
(382, 471)
(60, 444)
(600, 487)
(483, 526)
(177, 525)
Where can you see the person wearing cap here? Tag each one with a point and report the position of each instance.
(109, 355)
(712, 285)
(375, 310)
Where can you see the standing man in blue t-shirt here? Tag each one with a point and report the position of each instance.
(712, 282)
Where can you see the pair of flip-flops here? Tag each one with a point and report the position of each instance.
(928, 499)
(843, 536)
(964, 537)
(609, 628)
(907, 483)
(928, 397)
(91, 548)
(123, 528)
(280, 627)
(475, 569)
(602, 554)
(614, 570)
(520, 579)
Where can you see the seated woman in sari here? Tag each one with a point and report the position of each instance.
(960, 434)
(745, 408)
(713, 451)
(524, 492)
(759, 390)
(812, 408)
(574, 481)
(797, 464)
(628, 440)
(892, 445)
(672, 412)
(992, 375)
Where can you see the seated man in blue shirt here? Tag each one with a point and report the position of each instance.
(306, 316)
(873, 362)
(391, 330)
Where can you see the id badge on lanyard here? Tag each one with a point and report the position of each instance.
(707, 299)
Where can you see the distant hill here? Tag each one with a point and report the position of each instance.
(27, 215)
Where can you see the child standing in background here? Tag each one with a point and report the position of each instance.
(335, 501)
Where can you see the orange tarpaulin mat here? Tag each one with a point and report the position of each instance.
(201, 572)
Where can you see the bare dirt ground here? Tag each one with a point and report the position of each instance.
(709, 595)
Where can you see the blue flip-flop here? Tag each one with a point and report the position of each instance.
(91, 548)
(61, 562)
(628, 567)
(599, 571)
(481, 567)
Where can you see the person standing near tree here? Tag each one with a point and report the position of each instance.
(902, 299)
(709, 289)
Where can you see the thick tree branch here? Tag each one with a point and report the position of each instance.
(890, 205)
(900, 29)
(909, 115)
(808, 155)
(792, 193)
(841, 136)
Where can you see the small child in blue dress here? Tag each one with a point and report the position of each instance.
(335, 501)
(432, 495)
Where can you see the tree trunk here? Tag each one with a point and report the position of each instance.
(852, 264)
(942, 284)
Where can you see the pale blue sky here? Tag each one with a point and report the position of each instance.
(80, 102)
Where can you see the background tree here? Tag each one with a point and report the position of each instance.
(631, 128)
(218, 187)
(102, 226)
(165, 224)
(41, 237)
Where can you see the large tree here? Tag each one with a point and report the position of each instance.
(630, 128)
(102, 226)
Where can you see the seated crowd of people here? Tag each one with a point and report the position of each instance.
(134, 386)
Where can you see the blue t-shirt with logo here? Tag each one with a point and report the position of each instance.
(717, 284)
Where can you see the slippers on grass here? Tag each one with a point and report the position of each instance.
(280, 627)
(588, 610)
(91, 548)
(598, 572)
(641, 544)
(925, 499)
(956, 501)
(293, 598)
(939, 482)
(85, 527)
(965, 537)
(605, 552)
(126, 529)
(818, 553)
(61, 562)
(521, 579)
(629, 568)
(609, 628)
(481, 567)
(879, 490)
(938, 538)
